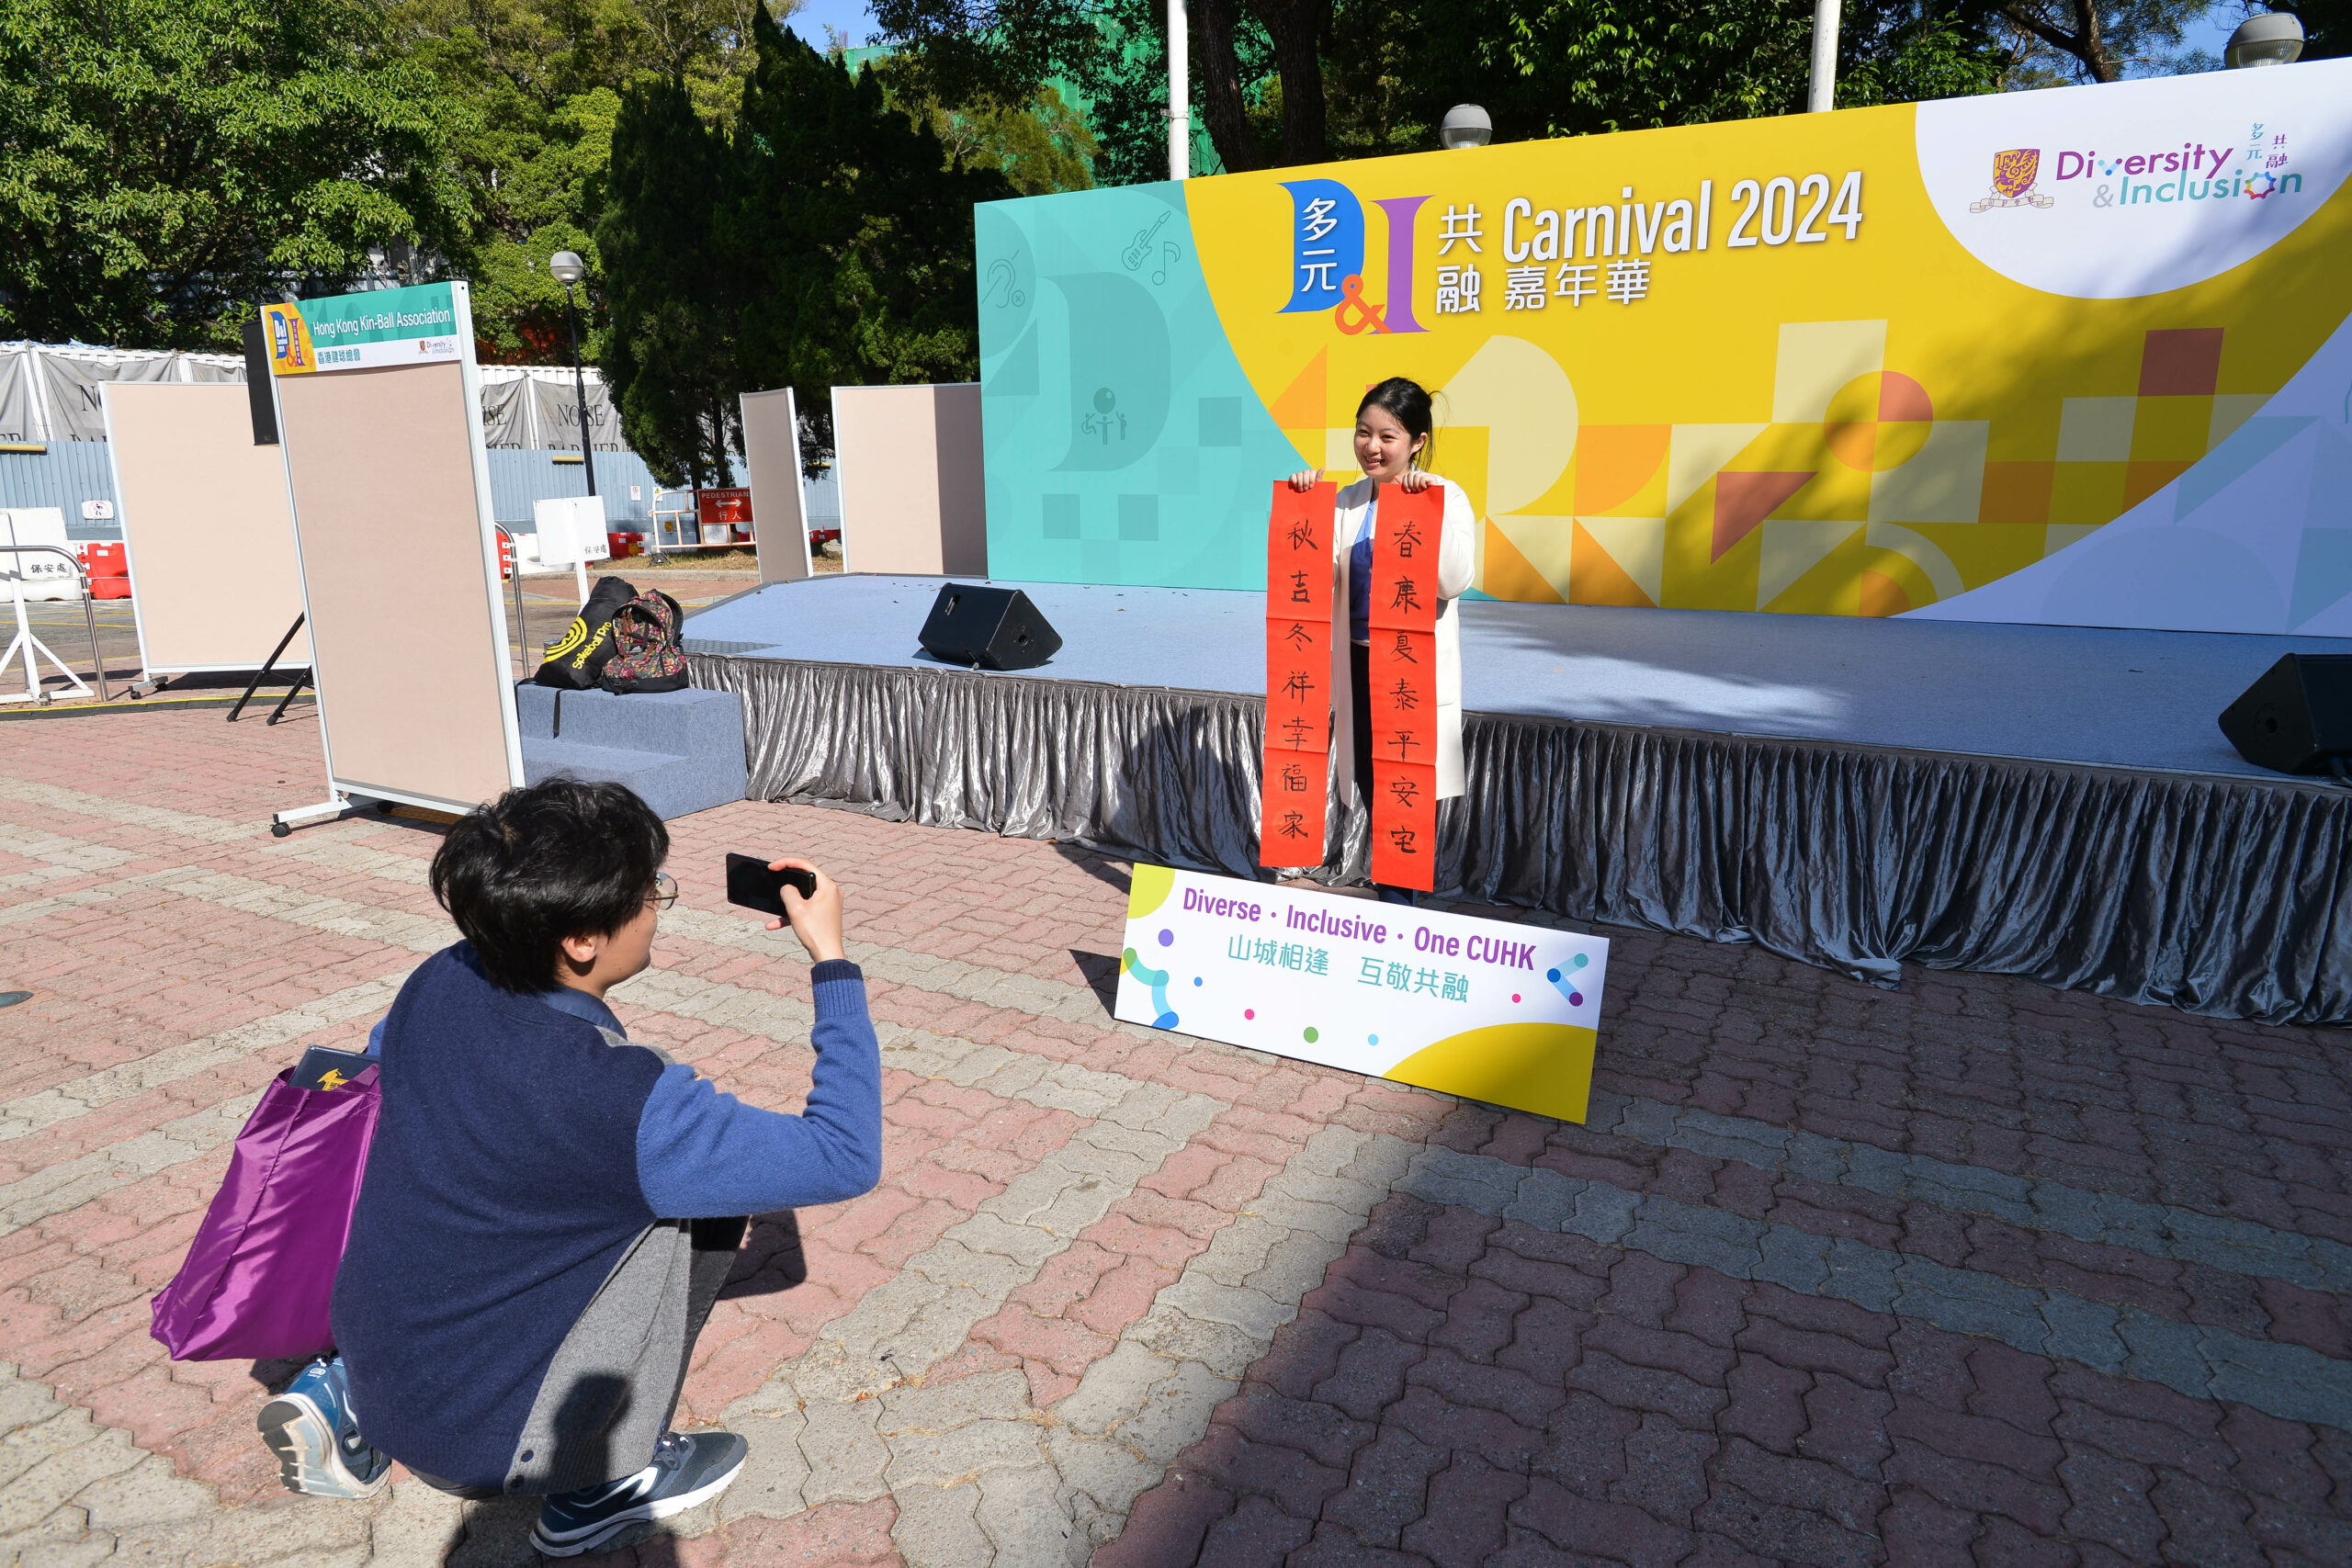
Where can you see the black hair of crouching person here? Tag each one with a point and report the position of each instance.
(543, 863)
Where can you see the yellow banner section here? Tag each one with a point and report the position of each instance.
(1848, 364)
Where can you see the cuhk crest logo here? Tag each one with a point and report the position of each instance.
(2014, 173)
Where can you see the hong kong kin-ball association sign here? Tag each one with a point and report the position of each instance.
(1507, 1014)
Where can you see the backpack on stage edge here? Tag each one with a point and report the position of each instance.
(646, 654)
(575, 660)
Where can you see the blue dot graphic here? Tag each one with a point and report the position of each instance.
(1196, 979)
(1582, 959)
(1552, 975)
(1167, 938)
(1372, 1039)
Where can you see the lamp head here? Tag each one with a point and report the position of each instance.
(2275, 37)
(1465, 125)
(567, 268)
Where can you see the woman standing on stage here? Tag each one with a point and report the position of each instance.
(1393, 431)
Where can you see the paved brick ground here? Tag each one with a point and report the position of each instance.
(1973, 1271)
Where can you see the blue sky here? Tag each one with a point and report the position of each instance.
(850, 17)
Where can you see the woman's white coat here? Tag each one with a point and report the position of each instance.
(1457, 563)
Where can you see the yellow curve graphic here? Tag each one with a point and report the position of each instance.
(1543, 1068)
(1148, 890)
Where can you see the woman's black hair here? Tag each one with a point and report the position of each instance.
(544, 863)
(1410, 405)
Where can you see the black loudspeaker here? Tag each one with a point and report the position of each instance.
(257, 398)
(988, 629)
(2298, 717)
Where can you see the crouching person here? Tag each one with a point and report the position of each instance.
(549, 1209)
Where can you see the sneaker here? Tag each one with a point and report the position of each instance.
(688, 1468)
(314, 1432)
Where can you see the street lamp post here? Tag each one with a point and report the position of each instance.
(567, 268)
(2272, 38)
(1465, 126)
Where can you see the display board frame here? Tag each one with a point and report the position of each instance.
(771, 464)
(376, 711)
(241, 589)
(910, 463)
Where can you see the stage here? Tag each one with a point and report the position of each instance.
(2049, 801)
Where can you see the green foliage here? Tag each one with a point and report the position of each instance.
(852, 234)
(163, 164)
(829, 243)
(1573, 67)
(1040, 146)
(1388, 70)
(536, 84)
(667, 351)
(2327, 26)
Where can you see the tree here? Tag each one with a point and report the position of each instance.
(1572, 67)
(1284, 82)
(1040, 146)
(2087, 40)
(2327, 24)
(851, 234)
(828, 243)
(536, 84)
(164, 163)
(669, 351)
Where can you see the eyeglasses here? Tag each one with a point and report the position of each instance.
(665, 890)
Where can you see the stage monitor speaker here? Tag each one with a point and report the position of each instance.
(988, 629)
(2298, 717)
(265, 413)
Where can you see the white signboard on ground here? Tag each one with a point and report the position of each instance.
(571, 530)
(44, 576)
(1505, 1013)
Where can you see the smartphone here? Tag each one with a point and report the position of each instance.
(751, 884)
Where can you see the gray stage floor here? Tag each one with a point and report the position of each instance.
(2113, 698)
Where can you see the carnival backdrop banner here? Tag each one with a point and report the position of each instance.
(2077, 356)
(1505, 1013)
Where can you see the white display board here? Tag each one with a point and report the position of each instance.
(379, 412)
(771, 464)
(571, 530)
(914, 498)
(206, 530)
(1509, 1014)
(43, 576)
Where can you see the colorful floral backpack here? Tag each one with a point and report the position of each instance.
(646, 653)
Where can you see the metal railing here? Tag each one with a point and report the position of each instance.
(522, 631)
(89, 615)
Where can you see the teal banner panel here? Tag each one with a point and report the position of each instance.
(1125, 445)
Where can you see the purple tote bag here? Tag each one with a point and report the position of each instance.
(259, 1275)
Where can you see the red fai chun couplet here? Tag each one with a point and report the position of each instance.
(1402, 671)
(1298, 675)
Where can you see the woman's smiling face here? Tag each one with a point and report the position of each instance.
(1384, 449)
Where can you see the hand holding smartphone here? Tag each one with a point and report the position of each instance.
(755, 884)
(813, 909)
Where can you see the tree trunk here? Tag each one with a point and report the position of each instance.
(1296, 28)
(2087, 43)
(1221, 87)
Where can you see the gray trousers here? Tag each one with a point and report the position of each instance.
(614, 1384)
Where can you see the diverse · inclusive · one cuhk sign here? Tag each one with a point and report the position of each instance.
(2075, 357)
(1504, 1013)
(354, 332)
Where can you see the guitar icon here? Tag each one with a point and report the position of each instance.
(1138, 251)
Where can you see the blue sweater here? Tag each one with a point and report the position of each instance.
(516, 1156)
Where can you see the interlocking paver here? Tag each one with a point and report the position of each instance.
(1972, 1270)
